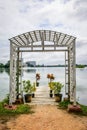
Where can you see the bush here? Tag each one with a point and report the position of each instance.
(64, 104)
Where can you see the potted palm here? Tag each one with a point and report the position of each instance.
(37, 78)
(57, 89)
(28, 90)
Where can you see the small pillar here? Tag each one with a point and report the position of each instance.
(74, 108)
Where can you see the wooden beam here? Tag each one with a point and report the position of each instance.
(42, 41)
(63, 39)
(31, 37)
(22, 40)
(43, 50)
(25, 36)
(44, 46)
(13, 43)
(58, 38)
(35, 36)
(49, 35)
(17, 41)
(40, 35)
(44, 35)
(71, 42)
(68, 40)
(54, 37)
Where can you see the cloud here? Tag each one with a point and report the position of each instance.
(67, 16)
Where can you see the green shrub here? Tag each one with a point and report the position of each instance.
(64, 104)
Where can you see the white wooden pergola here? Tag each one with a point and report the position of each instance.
(43, 41)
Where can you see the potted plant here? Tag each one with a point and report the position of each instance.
(50, 83)
(37, 78)
(57, 89)
(28, 90)
(33, 90)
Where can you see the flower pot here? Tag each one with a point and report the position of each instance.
(58, 97)
(37, 84)
(50, 91)
(28, 97)
(33, 95)
(51, 95)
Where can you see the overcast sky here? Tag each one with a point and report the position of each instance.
(66, 16)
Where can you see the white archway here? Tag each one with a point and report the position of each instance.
(37, 41)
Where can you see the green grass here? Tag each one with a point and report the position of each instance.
(21, 109)
(64, 105)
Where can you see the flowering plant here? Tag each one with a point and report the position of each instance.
(37, 76)
(51, 77)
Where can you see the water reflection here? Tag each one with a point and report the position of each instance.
(1, 70)
(29, 70)
(7, 70)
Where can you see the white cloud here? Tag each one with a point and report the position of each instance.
(67, 16)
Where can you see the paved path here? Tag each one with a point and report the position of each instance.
(42, 97)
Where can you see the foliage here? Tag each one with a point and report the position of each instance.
(21, 109)
(64, 104)
(80, 66)
(57, 86)
(28, 87)
(34, 87)
(6, 100)
(1, 65)
(51, 85)
(84, 110)
(7, 65)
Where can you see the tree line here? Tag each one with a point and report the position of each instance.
(7, 65)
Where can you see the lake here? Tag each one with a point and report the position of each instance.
(59, 73)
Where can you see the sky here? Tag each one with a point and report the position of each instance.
(66, 16)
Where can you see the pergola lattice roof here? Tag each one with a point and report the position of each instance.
(26, 39)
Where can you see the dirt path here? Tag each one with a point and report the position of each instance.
(46, 117)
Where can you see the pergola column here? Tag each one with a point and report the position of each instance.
(12, 88)
(72, 59)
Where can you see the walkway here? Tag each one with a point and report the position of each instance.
(42, 97)
(45, 117)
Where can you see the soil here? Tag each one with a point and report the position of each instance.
(45, 117)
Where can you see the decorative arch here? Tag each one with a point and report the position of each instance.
(43, 41)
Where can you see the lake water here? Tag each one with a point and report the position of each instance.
(59, 73)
